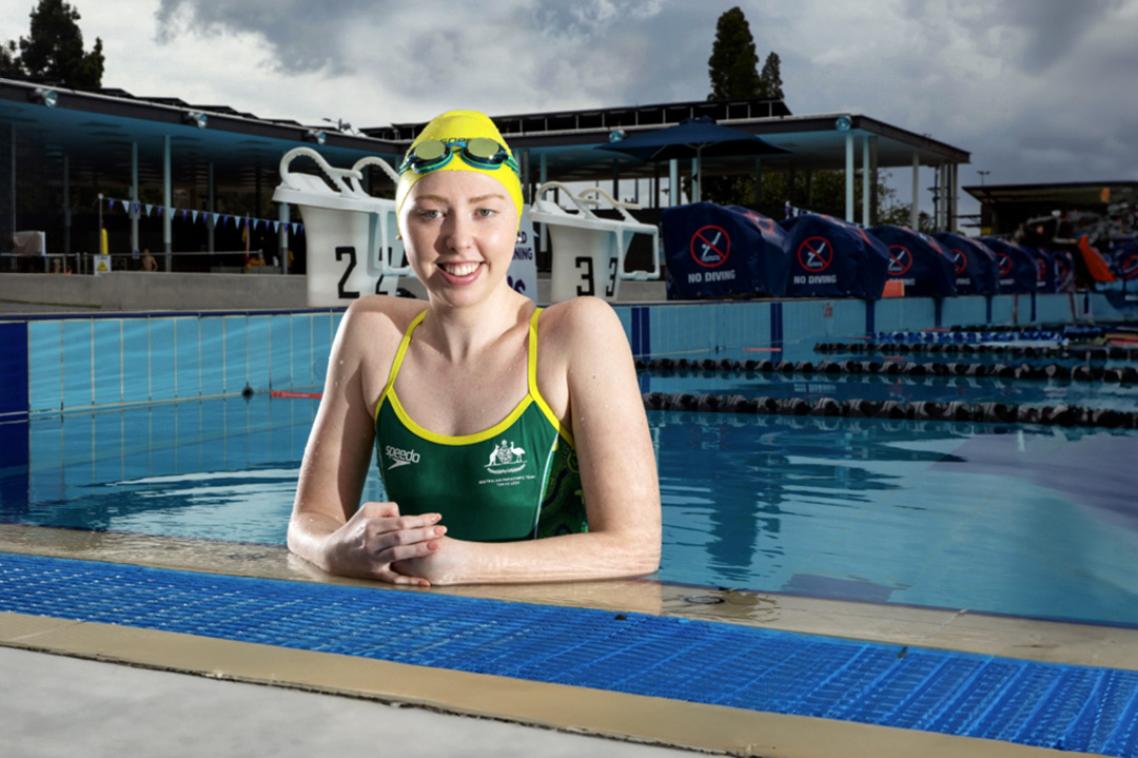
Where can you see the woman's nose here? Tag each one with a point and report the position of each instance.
(460, 232)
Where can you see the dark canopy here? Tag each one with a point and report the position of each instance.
(716, 251)
(973, 263)
(832, 258)
(1016, 266)
(918, 260)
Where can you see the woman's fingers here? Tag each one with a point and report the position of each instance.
(385, 540)
(404, 552)
(394, 577)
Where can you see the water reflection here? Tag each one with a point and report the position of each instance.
(1030, 521)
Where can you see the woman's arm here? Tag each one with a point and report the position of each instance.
(326, 528)
(618, 470)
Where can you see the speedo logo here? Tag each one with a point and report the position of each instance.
(400, 457)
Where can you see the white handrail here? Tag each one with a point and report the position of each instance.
(375, 160)
(335, 175)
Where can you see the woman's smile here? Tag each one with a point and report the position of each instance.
(460, 272)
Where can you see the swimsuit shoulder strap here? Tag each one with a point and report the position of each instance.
(400, 353)
(535, 393)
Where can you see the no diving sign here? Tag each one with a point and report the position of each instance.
(710, 246)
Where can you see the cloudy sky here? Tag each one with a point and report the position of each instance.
(1037, 90)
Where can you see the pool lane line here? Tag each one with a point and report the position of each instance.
(1076, 708)
(945, 629)
(621, 716)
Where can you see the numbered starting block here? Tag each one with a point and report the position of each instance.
(589, 251)
(353, 248)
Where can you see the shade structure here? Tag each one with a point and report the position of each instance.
(692, 138)
(918, 260)
(973, 263)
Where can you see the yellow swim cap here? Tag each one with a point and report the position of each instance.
(462, 125)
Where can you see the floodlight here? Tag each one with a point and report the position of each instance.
(316, 135)
(843, 124)
(45, 96)
(196, 118)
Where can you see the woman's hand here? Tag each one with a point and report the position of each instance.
(376, 536)
(441, 566)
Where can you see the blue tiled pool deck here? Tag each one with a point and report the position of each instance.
(1068, 707)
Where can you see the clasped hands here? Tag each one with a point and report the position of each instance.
(378, 543)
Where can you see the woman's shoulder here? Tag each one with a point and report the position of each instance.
(376, 320)
(580, 323)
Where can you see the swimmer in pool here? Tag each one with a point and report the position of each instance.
(511, 440)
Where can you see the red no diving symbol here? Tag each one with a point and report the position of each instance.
(900, 260)
(815, 254)
(959, 260)
(1130, 267)
(710, 246)
(1005, 262)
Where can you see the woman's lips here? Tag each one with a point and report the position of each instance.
(464, 279)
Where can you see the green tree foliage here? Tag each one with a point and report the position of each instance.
(734, 63)
(52, 52)
(771, 77)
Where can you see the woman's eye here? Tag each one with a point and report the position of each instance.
(487, 212)
(429, 213)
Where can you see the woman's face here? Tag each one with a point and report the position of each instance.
(459, 230)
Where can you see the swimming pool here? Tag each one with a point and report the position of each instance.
(1028, 521)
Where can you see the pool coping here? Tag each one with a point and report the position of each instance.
(955, 630)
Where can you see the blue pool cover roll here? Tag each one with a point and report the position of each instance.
(1068, 707)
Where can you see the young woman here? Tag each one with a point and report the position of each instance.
(511, 440)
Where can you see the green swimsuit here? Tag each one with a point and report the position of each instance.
(516, 480)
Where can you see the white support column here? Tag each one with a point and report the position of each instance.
(167, 201)
(209, 218)
(134, 247)
(954, 188)
(673, 182)
(865, 184)
(543, 177)
(914, 209)
(849, 177)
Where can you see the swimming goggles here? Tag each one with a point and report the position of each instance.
(479, 152)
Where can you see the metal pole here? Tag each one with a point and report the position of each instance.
(695, 177)
(914, 212)
(673, 183)
(209, 217)
(282, 216)
(167, 201)
(134, 246)
(616, 179)
(866, 189)
(954, 180)
(849, 177)
(66, 204)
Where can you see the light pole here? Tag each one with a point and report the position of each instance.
(983, 175)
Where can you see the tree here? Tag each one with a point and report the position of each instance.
(10, 62)
(53, 53)
(771, 76)
(734, 64)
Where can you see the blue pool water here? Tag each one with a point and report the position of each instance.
(1029, 521)
(901, 388)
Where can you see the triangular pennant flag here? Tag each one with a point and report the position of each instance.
(276, 226)
(184, 214)
(125, 205)
(302, 228)
(149, 208)
(194, 216)
(215, 217)
(256, 221)
(293, 225)
(110, 202)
